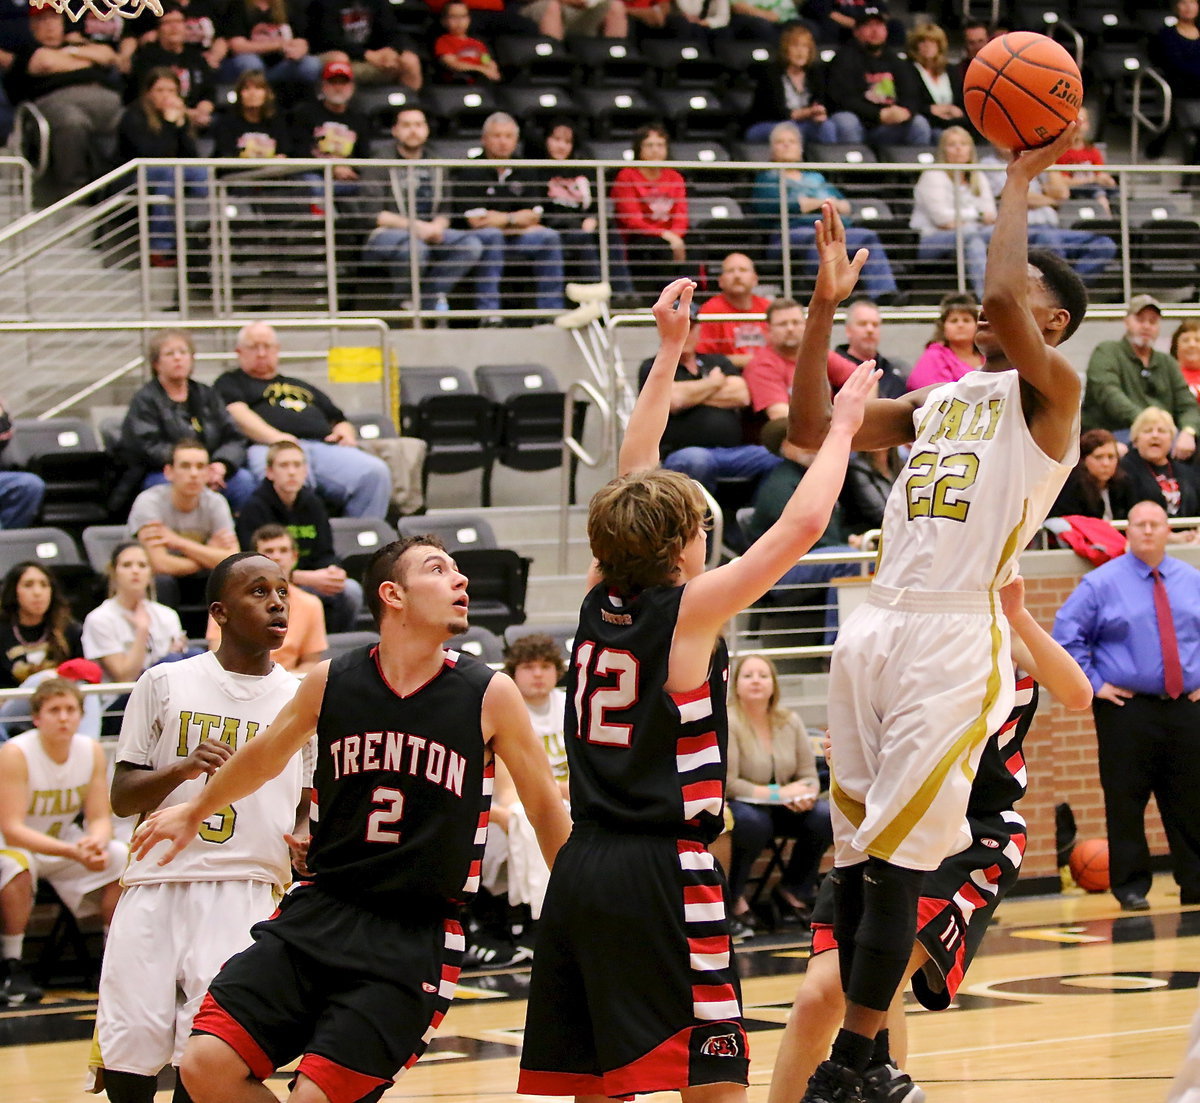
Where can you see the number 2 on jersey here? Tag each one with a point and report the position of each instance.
(947, 475)
(380, 821)
(594, 724)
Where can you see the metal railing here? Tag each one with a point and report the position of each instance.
(289, 237)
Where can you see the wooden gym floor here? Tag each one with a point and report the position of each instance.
(1069, 1001)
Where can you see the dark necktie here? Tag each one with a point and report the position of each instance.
(1172, 670)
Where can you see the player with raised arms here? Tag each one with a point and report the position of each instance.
(921, 673)
(633, 986)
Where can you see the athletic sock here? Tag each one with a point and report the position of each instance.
(129, 1087)
(12, 946)
(882, 1055)
(852, 1051)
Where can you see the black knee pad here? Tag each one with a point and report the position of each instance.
(847, 914)
(890, 896)
(885, 935)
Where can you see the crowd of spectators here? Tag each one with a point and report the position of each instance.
(269, 79)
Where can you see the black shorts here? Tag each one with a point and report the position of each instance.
(634, 987)
(958, 900)
(358, 994)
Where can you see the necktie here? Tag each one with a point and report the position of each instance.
(1172, 670)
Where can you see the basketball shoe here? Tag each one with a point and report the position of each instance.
(888, 1084)
(833, 1083)
(16, 985)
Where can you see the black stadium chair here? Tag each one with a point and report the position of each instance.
(684, 64)
(99, 543)
(380, 103)
(459, 109)
(693, 113)
(529, 425)
(373, 426)
(535, 60)
(441, 406)
(609, 61)
(478, 641)
(458, 530)
(65, 454)
(499, 578)
(616, 112)
(536, 106)
(56, 551)
(356, 539)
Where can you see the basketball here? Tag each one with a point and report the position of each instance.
(1089, 865)
(1022, 90)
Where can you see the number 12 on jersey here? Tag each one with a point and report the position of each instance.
(593, 709)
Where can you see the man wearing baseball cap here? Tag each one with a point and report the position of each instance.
(872, 91)
(1126, 376)
(331, 127)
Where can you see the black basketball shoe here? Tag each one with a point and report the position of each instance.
(833, 1083)
(888, 1084)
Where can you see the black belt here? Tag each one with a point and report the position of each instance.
(1164, 697)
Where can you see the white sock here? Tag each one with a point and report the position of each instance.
(11, 946)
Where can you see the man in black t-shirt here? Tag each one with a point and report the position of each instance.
(72, 85)
(366, 34)
(267, 407)
(331, 128)
(704, 434)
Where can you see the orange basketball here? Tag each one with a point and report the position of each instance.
(1089, 865)
(1022, 90)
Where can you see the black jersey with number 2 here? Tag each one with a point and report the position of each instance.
(402, 785)
(642, 759)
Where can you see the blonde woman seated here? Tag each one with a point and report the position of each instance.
(949, 202)
(773, 789)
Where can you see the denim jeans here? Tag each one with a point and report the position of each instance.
(915, 132)
(539, 246)
(160, 179)
(341, 610)
(809, 130)
(1087, 253)
(21, 495)
(306, 70)
(941, 244)
(440, 264)
(754, 825)
(707, 465)
(877, 277)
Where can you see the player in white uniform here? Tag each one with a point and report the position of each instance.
(49, 776)
(176, 926)
(921, 673)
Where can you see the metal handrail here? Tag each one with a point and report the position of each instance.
(390, 401)
(1140, 118)
(574, 448)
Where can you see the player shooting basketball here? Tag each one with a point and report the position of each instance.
(921, 673)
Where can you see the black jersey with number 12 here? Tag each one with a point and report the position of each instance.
(642, 759)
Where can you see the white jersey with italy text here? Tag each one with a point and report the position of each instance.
(974, 490)
(174, 707)
(57, 790)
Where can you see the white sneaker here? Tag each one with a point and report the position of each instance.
(589, 292)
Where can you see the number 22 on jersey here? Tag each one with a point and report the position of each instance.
(594, 709)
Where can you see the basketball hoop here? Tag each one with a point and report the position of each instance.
(102, 9)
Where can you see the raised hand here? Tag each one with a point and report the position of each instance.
(672, 312)
(1029, 163)
(837, 274)
(851, 400)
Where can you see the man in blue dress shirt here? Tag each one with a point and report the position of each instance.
(1133, 625)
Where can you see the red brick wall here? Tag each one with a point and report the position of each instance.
(1060, 749)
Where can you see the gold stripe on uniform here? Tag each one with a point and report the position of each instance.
(855, 811)
(889, 838)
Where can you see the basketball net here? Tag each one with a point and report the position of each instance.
(102, 9)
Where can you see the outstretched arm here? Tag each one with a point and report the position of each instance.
(713, 597)
(1035, 650)
(1007, 309)
(639, 449)
(252, 766)
(886, 422)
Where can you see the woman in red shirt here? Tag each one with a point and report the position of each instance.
(650, 205)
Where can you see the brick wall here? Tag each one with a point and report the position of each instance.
(1060, 749)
